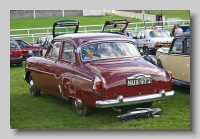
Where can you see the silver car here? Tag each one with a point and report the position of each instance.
(151, 40)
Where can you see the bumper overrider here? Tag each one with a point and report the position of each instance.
(120, 101)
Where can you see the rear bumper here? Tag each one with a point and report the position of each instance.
(120, 101)
(16, 60)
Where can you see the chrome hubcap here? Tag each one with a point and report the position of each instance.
(31, 86)
(78, 104)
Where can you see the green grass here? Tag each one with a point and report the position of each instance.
(49, 112)
(48, 22)
(183, 14)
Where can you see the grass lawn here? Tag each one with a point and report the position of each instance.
(183, 14)
(48, 22)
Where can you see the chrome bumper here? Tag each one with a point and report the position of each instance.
(120, 101)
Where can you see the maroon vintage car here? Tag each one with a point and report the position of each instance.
(98, 70)
(27, 49)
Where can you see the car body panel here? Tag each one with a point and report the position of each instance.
(74, 77)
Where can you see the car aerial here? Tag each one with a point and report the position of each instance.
(175, 59)
(15, 54)
(99, 70)
(150, 40)
(27, 49)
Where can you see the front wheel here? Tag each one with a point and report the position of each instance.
(33, 89)
(83, 111)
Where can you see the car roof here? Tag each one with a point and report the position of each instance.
(81, 38)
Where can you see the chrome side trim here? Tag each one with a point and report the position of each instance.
(120, 101)
(60, 89)
(67, 74)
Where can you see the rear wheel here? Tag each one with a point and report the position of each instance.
(33, 89)
(83, 111)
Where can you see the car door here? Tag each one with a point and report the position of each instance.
(47, 66)
(178, 60)
(65, 67)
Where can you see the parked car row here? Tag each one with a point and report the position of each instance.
(96, 70)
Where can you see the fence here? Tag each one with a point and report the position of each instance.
(31, 34)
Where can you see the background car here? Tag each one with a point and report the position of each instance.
(27, 49)
(149, 41)
(15, 54)
(175, 59)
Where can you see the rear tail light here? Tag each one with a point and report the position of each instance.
(97, 86)
(157, 44)
(171, 76)
(16, 52)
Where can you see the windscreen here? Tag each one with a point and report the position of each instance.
(159, 33)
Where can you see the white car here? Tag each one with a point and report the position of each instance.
(151, 40)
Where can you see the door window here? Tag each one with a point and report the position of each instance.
(177, 47)
(54, 52)
(68, 52)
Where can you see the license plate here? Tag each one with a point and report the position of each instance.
(140, 81)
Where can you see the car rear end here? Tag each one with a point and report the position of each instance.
(15, 54)
(27, 49)
(143, 82)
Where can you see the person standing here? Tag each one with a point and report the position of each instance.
(178, 30)
(154, 27)
(173, 29)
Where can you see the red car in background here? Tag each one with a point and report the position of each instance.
(15, 54)
(27, 49)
